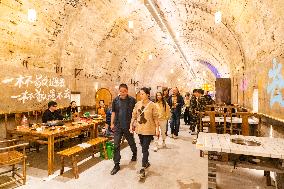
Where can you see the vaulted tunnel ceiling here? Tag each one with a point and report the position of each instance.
(95, 36)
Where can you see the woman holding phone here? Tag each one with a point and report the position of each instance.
(145, 117)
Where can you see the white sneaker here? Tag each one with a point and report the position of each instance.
(155, 149)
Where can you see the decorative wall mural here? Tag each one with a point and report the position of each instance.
(30, 88)
(276, 86)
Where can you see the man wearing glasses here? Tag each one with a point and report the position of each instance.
(51, 113)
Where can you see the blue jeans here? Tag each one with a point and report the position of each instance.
(175, 123)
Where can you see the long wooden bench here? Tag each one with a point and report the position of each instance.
(74, 151)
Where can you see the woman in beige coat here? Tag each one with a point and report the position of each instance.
(164, 115)
(145, 117)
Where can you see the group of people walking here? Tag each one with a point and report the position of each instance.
(148, 119)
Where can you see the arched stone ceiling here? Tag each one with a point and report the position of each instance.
(94, 35)
(247, 33)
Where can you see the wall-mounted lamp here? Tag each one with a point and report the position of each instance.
(32, 15)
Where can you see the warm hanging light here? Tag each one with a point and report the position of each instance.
(178, 79)
(172, 71)
(218, 17)
(177, 34)
(150, 57)
(130, 24)
(32, 15)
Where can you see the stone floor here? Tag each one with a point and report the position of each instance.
(176, 167)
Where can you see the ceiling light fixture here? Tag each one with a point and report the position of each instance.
(177, 35)
(218, 17)
(32, 15)
(130, 24)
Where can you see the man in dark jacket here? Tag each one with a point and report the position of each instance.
(192, 110)
(175, 102)
(51, 113)
(122, 108)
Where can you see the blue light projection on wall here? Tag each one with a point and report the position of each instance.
(212, 68)
(276, 85)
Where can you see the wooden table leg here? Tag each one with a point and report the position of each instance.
(268, 178)
(96, 130)
(50, 155)
(62, 165)
(75, 167)
(212, 182)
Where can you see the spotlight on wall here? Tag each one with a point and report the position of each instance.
(218, 17)
(32, 15)
(130, 24)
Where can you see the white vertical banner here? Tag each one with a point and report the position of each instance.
(255, 101)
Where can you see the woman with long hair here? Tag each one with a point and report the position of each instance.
(145, 116)
(166, 98)
(164, 115)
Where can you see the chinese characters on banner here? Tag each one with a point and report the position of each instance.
(55, 87)
(277, 84)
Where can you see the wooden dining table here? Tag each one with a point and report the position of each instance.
(268, 155)
(52, 135)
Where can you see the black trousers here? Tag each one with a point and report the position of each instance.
(186, 116)
(145, 141)
(118, 133)
(175, 123)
